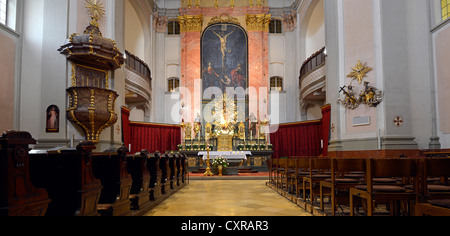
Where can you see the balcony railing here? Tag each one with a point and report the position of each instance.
(312, 63)
(137, 65)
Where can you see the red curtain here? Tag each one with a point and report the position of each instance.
(154, 137)
(126, 126)
(299, 139)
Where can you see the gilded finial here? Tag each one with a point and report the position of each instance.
(96, 11)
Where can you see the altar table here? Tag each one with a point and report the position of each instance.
(235, 160)
(236, 155)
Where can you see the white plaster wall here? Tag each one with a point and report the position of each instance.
(134, 40)
(315, 34)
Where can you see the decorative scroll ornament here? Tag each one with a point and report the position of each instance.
(222, 19)
(368, 95)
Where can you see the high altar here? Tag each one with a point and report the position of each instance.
(225, 43)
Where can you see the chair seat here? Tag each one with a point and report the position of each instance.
(302, 173)
(344, 181)
(445, 203)
(383, 188)
(384, 181)
(438, 188)
(354, 176)
(321, 176)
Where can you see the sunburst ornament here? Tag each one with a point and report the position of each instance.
(96, 11)
(359, 72)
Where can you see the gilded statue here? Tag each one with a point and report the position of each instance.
(208, 131)
(241, 132)
(188, 132)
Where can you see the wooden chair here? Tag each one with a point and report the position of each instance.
(272, 164)
(279, 173)
(387, 194)
(302, 166)
(340, 183)
(434, 181)
(319, 170)
(290, 173)
(436, 208)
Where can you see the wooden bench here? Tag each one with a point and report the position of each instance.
(19, 197)
(68, 178)
(140, 189)
(111, 170)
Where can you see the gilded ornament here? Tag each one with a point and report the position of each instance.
(190, 23)
(221, 19)
(359, 72)
(258, 22)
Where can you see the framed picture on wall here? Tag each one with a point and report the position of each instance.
(52, 118)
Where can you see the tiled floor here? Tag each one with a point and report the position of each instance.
(227, 198)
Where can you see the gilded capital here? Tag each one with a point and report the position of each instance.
(258, 22)
(190, 23)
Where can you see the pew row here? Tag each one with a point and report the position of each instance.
(80, 182)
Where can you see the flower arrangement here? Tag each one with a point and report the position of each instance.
(180, 147)
(262, 147)
(188, 147)
(195, 146)
(255, 146)
(240, 147)
(202, 147)
(220, 161)
(269, 146)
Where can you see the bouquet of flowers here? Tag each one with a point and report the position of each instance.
(220, 161)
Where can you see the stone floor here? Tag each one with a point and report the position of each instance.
(227, 198)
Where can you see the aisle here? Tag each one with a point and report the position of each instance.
(227, 198)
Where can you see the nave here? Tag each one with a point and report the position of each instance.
(227, 198)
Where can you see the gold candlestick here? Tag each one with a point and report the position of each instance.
(208, 165)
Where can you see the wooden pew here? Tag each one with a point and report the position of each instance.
(172, 172)
(165, 174)
(111, 169)
(140, 191)
(184, 171)
(68, 178)
(18, 195)
(155, 176)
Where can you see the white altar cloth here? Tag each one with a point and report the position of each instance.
(236, 155)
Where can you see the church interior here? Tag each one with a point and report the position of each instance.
(224, 108)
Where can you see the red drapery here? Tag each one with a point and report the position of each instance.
(149, 136)
(298, 139)
(154, 137)
(126, 126)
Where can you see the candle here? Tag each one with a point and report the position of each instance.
(71, 140)
(129, 147)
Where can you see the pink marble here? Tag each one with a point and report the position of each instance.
(258, 60)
